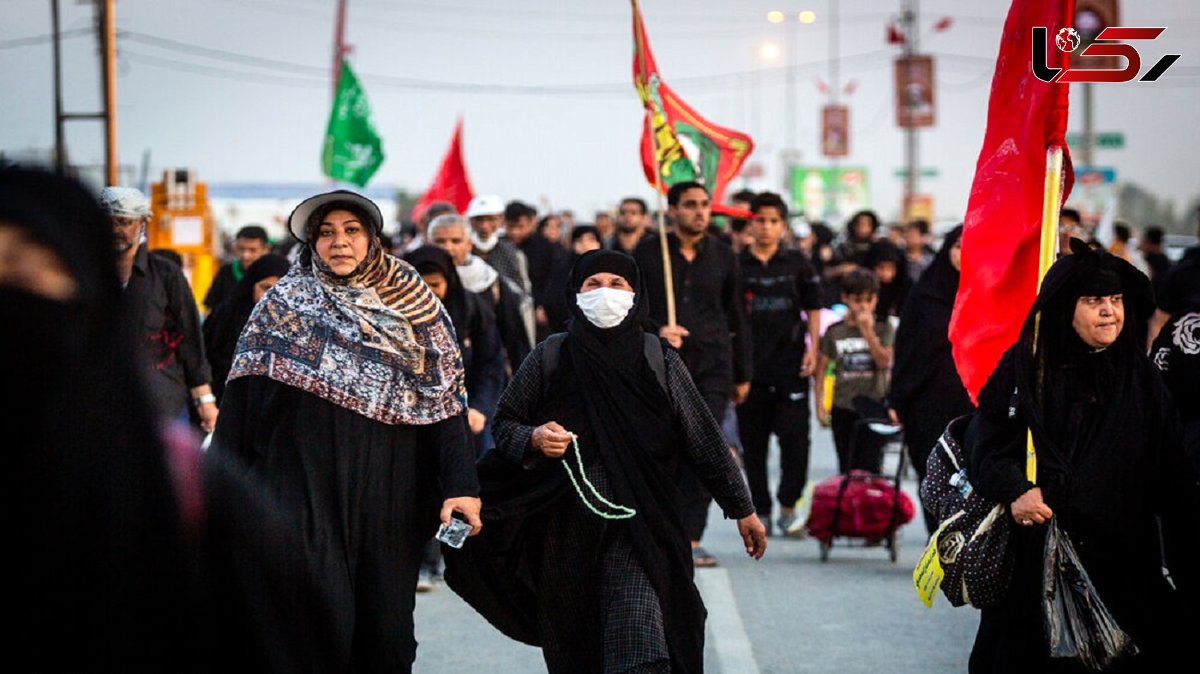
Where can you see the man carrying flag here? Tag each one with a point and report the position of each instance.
(692, 160)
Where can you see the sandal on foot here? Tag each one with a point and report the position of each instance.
(701, 557)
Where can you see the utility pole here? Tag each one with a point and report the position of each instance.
(108, 41)
(831, 200)
(792, 53)
(60, 150)
(339, 44)
(909, 13)
(1089, 139)
(106, 31)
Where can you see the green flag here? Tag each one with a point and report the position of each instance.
(353, 151)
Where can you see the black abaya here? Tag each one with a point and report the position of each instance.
(926, 390)
(364, 493)
(1110, 466)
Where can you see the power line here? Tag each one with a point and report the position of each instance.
(723, 80)
(40, 39)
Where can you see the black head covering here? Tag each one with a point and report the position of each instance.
(430, 259)
(95, 527)
(1056, 368)
(1088, 272)
(893, 294)
(579, 230)
(940, 281)
(224, 325)
(611, 262)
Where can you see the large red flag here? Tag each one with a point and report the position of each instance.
(689, 146)
(1002, 227)
(450, 183)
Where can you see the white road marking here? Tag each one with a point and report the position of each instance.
(726, 632)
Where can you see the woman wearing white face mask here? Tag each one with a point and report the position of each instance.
(584, 552)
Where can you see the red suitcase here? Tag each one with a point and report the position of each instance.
(858, 505)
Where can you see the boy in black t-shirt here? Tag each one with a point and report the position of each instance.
(783, 306)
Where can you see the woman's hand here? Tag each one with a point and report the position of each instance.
(550, 439)
(476, 420)
(754, 535)
(1030, 509)
(468, 506)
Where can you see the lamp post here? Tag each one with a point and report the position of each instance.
(791, 154)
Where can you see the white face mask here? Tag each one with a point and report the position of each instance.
(605, 307)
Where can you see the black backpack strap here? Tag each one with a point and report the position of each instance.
(652, 348)
(657, 359)
(551, 349)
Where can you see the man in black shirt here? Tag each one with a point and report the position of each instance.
(779, 284)
(161, 313)
(540, 254)
(631, 225)
(249, 244)
(710, 331)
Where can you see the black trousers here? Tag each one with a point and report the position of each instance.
(696, 498)
(920, 442)
(782, 410)
(857, 446)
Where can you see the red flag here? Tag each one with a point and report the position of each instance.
(689, 146)
(894, 36)
(451, 182)
(1002, 227)
(943, 23)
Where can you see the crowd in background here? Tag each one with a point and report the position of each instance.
(763, 308)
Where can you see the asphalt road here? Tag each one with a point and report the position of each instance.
(785, 614)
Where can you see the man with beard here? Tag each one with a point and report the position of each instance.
(710, 334)
(486, 213)
(631, 224)
(509, 304)
(163, 317)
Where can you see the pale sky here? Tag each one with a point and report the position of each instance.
(239, 89)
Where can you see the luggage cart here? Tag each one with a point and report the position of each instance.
(862, 486)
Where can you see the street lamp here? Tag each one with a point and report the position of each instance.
(769, 52)
(790, 153)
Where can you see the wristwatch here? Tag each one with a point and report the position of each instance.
(206, 398)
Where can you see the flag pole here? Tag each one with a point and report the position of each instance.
(1048, 249)
(668, 276)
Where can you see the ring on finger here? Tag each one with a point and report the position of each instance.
(1027, 522)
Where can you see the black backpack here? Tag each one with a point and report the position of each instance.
(652, 348)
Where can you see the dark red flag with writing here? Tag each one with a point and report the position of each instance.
(1002, 227)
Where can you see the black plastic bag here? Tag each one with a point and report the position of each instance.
(1078, 625)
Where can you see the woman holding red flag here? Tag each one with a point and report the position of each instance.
(1110, 468)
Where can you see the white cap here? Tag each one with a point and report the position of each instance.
(125, 202)
(485, 204)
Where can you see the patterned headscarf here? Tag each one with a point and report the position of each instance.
(377, 341)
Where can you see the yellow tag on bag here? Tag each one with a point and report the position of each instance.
(928, 574)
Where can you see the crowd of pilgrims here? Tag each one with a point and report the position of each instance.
(360, 387)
